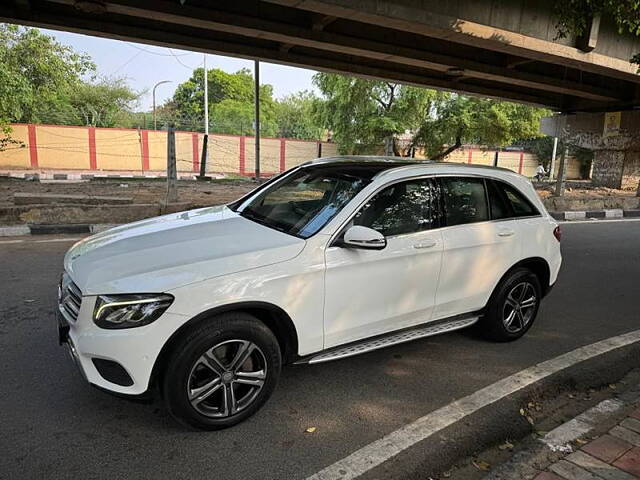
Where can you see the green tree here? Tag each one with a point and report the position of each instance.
(363, 114)
(295, 116)
(44, 81)
(103, 103)
(458, 119)
(231, 99)
(38, 74)
(542, 148)
(237, 117)
(574, 16)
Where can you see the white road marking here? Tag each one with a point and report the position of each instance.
(378, 452)
(11, 241)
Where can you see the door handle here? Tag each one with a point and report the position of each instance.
(428, 244)
(506, 233)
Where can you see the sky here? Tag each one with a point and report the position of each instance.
(145, 65)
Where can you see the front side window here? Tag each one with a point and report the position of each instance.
(400, 209)
(465, 200)
(303, 202)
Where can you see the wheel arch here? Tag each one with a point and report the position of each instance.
(538, 265)
(274, 317)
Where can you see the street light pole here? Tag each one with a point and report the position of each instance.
(256, 67)
(206, 97)
(154, 101)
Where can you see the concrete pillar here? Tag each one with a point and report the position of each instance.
(615, 142)
(607, 168)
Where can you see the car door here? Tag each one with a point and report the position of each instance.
(370, 292)
(478, 248)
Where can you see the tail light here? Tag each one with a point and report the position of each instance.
(557, 233)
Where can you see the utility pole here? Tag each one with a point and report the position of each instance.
(205, 142)
(206, 97)
(560, 180)
(257, 112)
(155, 127)
(552, 168)
(172, 174)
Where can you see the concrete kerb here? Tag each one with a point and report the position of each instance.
(41, 229)
(496, 421)
(536, 454)
(606, 214)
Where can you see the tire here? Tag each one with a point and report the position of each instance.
(203, 388)
(510, 313)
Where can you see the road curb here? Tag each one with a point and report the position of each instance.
(497, 421)
(536, 454)
(41, 229)
(607, 214)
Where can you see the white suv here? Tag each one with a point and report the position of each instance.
(333, 258)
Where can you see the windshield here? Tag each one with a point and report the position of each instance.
(303, 202)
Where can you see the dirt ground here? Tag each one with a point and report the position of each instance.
(220, 191)
(214, 192)
(582, 189)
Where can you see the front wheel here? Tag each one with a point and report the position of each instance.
(513, 306)
(221, 372)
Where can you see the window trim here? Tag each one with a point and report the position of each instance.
(334, 239)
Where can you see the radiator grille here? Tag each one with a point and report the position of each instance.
(69, 298)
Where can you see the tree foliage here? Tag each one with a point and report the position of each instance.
(542, 148)
(366, 113)
(44, 81)
(574, 16)
(231, 102)
(295, 116)
(38, 74)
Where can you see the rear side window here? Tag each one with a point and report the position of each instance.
(498, 202)
(400, 209)
(465, 200)
(520, 205)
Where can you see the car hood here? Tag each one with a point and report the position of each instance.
(162, 253)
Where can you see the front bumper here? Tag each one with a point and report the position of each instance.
(120, 361)
(64, 340)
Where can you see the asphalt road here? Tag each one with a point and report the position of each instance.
(53, 425)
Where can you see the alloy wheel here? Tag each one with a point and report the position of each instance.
(227, 378)
(519, 307)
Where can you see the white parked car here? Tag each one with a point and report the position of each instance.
(336, 257)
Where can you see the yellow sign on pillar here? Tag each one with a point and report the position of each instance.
(612, 124)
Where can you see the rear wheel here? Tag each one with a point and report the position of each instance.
(222, 371)
(513, 306)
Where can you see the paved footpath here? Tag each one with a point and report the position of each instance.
(612, 456)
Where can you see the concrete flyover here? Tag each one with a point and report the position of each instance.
(486, 47)
(495, 48)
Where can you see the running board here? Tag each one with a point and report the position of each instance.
(393, 338)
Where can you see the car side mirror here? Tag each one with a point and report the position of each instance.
(364, 237)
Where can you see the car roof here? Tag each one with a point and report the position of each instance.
(399, 165)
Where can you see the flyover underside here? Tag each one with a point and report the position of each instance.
(321, 36)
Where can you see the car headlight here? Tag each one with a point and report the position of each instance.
(128, 311)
